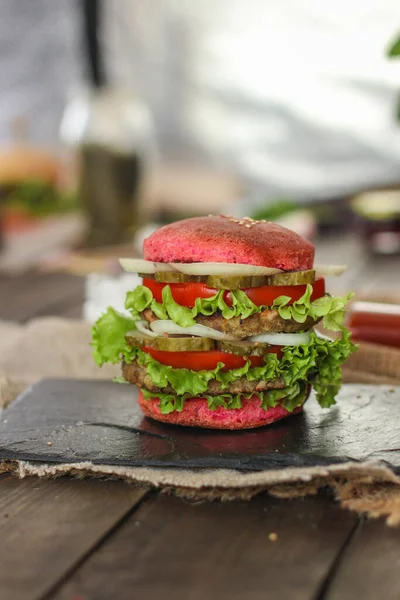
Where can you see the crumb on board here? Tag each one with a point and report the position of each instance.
(273, 537)
(49, 443)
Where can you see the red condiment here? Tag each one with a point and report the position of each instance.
(375, 322)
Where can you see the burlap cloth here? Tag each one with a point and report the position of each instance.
(51, 347)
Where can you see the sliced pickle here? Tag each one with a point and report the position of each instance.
(196, 344)
(243, 348)
(292, 278)
(184, 344)
(238, 282)
(175, 277)
(136, 338)
(170, 343)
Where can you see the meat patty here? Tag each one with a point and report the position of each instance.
(135, 373)
(265, 321)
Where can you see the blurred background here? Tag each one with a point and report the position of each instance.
(118, 116)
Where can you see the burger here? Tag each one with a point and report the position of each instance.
(220, 333)
(30, 186)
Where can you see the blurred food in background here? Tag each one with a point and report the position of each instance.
(378, 220)
(375, 322)
(288, 214)
(31, 187)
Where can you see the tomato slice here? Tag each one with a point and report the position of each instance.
(206, 361)
(185, 294)
(265, 295)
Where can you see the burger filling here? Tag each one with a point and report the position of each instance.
(187, 340)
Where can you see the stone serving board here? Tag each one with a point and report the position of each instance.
(70, 421)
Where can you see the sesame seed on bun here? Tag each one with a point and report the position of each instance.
(230, 240)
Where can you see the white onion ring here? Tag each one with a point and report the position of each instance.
(327, 270)
(167, 326)
(143, 327)
(282, 339)
(139, 265)
(213, 268)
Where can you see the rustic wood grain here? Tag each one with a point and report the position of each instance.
(369, 568)
(172, 549)
(47, 526)
(60, 539)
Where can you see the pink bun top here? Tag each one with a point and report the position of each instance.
(230, 240)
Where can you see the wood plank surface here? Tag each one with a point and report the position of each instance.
(33, 295)
(172, 549)
(70, 539)
(48, 526)
(370, 567)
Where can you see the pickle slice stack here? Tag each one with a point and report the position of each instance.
(236, 282)
(196, 344)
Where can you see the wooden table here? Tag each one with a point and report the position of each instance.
(76, 539)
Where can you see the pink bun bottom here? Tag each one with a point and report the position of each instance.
(197, 414)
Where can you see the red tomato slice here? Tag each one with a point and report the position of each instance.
(185, 294)
(266, 294)
(206, 361)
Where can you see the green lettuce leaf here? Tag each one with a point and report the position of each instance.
(108, 338)
(120, 379)
(318, 362)
(331, 309)
(292, 397)
(328, 307)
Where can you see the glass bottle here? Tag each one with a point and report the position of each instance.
(112, 133)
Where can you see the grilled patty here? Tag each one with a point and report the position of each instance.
(135, 373)
(262, 322)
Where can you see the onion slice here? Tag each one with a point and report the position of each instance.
(143, 327)
(327, 270)
(139, 265)
(213, 268)
(166, 326)
(282, 339)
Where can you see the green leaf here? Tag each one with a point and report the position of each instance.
(138, 300)
(41, 199)
(181, 315)
(394, 49)
(269, 399)
(330, 308)
(168, 402)
(159, 310)
(318, 363)
(271, 211)
(120, 379)
(108, 337)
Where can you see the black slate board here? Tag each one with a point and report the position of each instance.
(101, 422)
